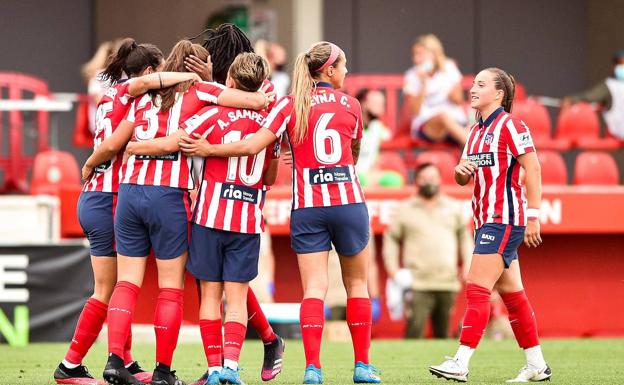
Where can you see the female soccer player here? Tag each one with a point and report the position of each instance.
(505, 212)
(153, 213)
(97, 201)
(324, 127)
(227, 220)
(225, 43)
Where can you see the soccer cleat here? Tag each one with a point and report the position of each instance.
(230, 376)
(213, 379)
(165, 377)
(451, 369)
(365, 374)
(135, 369)
(273, 358)
(530, 374)
(201, 380)
(313, 375)
(116, 373)
(79, 375)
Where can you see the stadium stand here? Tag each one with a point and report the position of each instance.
(595, 168)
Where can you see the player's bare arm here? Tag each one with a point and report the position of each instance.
(142, 84)
(464, 171)
(195, 145)
(108, 148)
(258, 100)
(270, 175)
(355, 149)
(157, 146)
(533, 182)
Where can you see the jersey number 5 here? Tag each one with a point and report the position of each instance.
(322, 134)
(239, 165)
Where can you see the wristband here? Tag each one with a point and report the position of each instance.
(160, 80)
(533, 213)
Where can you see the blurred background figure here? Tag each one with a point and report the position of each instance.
(608, 95)
(434, 95)
(90, 73)
(373, 103)
(431, 232)
(264, 284)
(277, 58)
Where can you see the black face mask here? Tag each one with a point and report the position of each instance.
(428, 190)
(280, 67)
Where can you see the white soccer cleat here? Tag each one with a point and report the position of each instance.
(451, 369)
(530, 374)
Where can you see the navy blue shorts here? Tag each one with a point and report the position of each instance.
(220, 256)
(96, 214)
(152, 216)
(314, 229)
(496, 238)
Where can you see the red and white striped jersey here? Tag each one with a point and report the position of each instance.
(231, 195)
(111, 110)
(174, 169)
(494, 145)
(323, 172)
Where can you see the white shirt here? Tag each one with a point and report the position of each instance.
(436, 100)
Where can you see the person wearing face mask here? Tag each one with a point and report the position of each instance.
(431, 231)
(609, 95)
(434, 95)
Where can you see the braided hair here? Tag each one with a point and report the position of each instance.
(224, 43)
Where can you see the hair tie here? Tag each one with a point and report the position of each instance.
(335, 51)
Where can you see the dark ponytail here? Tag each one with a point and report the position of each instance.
(132, 59)
(505, 82)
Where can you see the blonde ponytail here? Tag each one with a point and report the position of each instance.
(302, 85)
(308, 66)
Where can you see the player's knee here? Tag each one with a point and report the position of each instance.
(103, 290)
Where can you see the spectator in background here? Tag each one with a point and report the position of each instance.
(276, 56)
(609, 95)
(90, 73)
(373, 104)
(432, 230)
(264, 284)
(434, 95)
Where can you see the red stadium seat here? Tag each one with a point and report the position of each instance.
(445, 161)
(595, 168)
(536, 117)
(392, 161)
(53, 170)
(554, 171)
(579, 123)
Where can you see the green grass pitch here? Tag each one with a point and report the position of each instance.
(574, 361)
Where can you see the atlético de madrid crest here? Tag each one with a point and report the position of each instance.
(489, 138)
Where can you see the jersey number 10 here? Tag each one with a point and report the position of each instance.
(239, 165)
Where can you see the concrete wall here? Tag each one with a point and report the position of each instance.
(543, 46)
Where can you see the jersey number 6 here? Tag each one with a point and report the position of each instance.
(322, 133)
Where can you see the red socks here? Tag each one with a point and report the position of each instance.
(312, 320)
(359, 319)
(257, 319)
(477, 315)
(522, 319)
(167, 321)
(212, 340)
(88, 327)
(234, 335)
(120, 310)
(127, 356)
